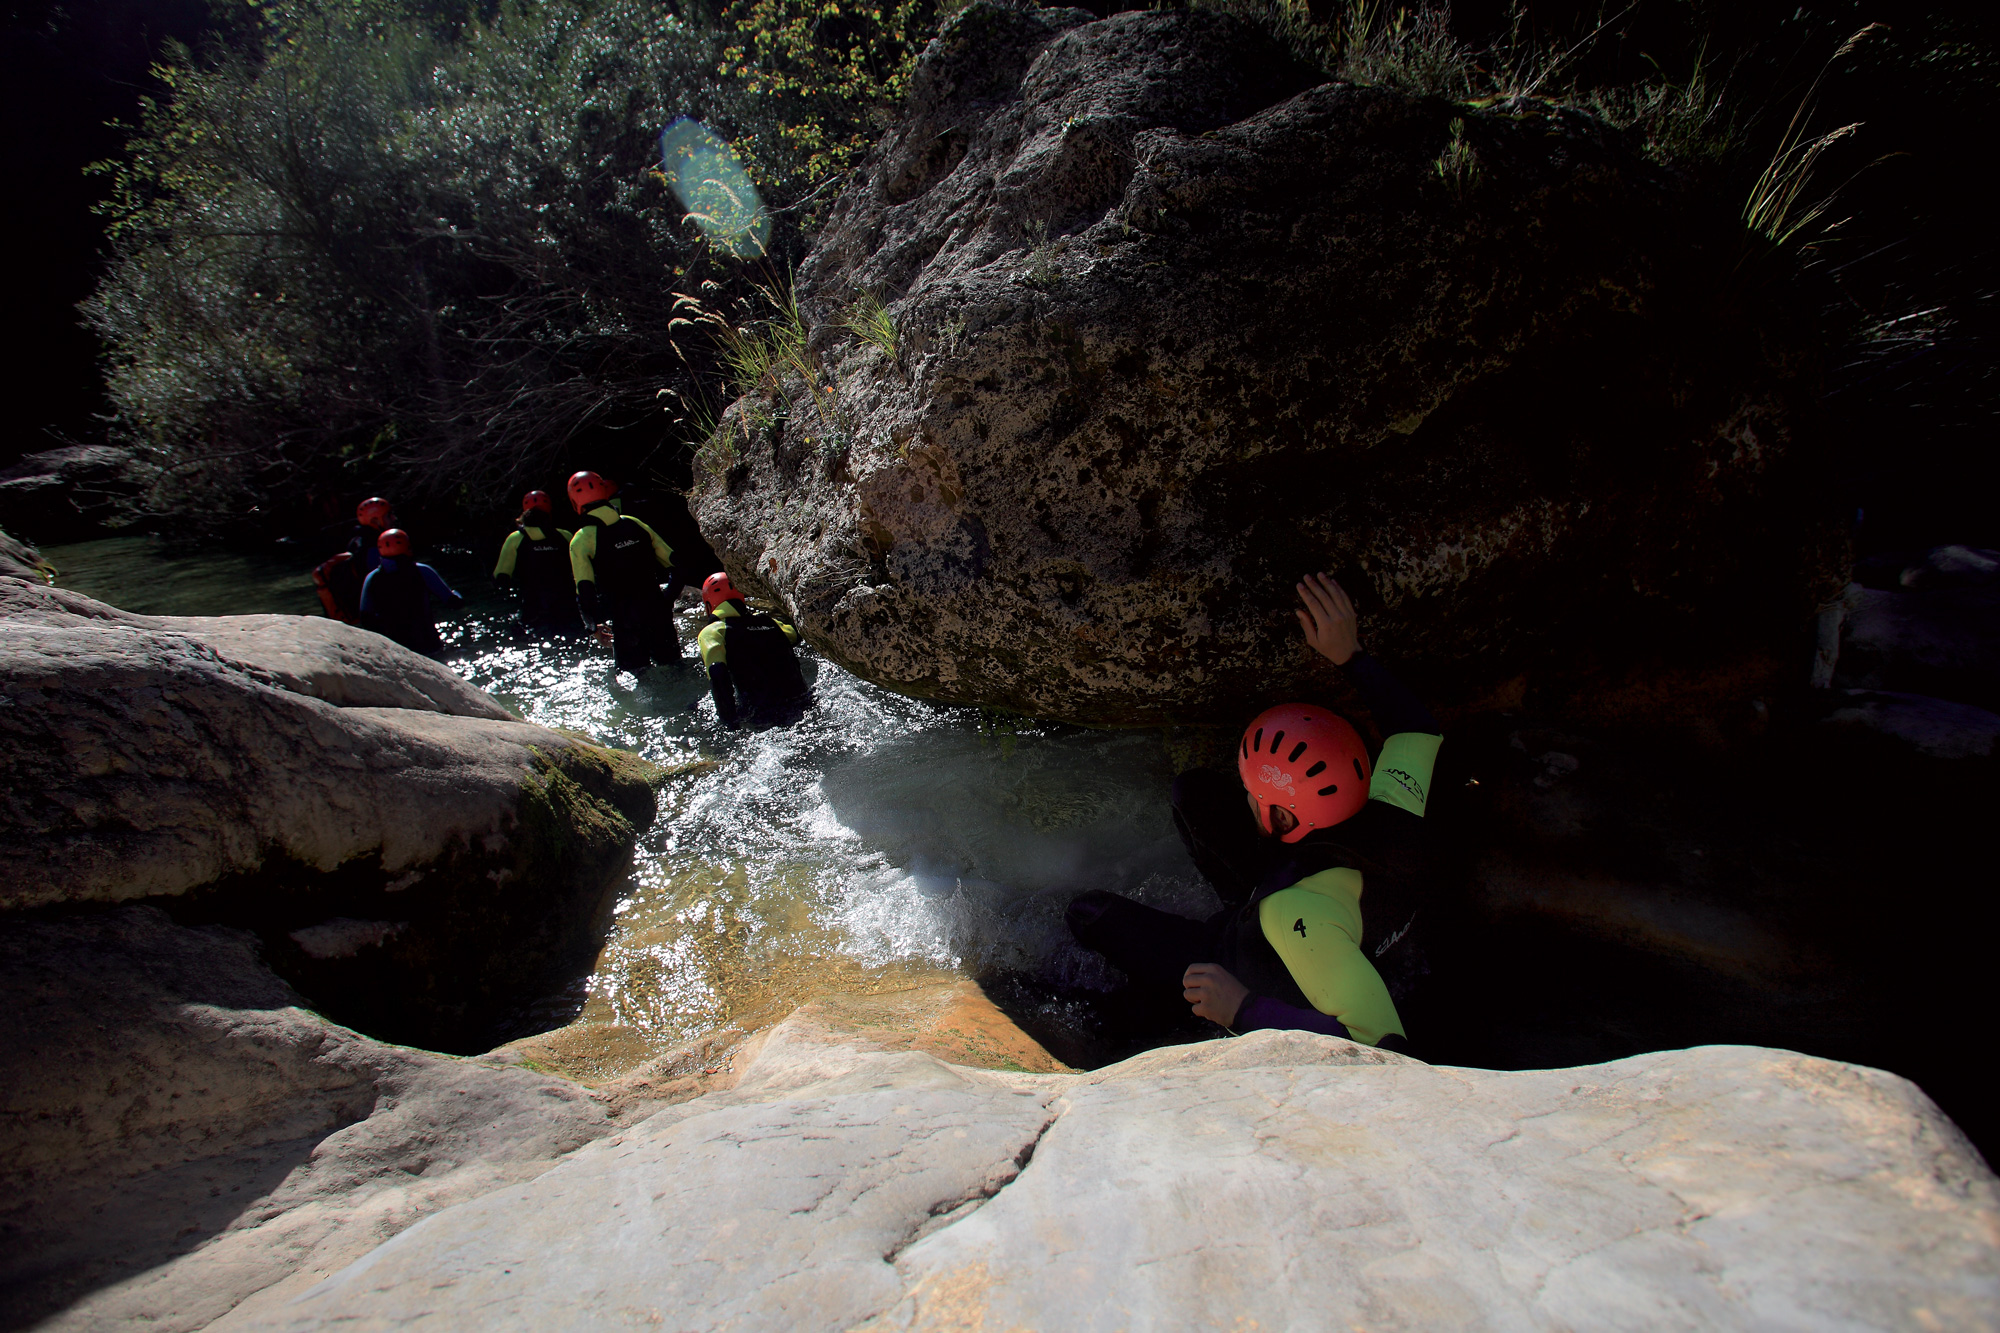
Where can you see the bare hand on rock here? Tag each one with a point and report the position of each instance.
(1328, 619)
(604, 635)
(1214, 993)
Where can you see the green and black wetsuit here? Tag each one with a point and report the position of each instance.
(619, 563)
(750, 663)
(1293, 928)
(535, 561)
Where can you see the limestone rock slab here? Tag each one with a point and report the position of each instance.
(178, 1134)
(315, 656)
(1281, 1180)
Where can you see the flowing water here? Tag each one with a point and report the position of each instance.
(878, 841)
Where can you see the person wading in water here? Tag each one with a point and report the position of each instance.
(752, 671)
(1289, 841)
(534, 561)
(618, 564)
(397, 600)
(338, 579)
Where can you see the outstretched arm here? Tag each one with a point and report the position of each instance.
(1334, 632)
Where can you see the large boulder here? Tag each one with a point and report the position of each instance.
(180, 1134)
(1178, 322)
(1281, 1180)
(314, 656)
(413, 856)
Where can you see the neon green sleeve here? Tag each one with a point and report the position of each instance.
(712, 645)
(790, 633)
(1316, 928)
(508, 550)
(582, 554)
(1403, 771)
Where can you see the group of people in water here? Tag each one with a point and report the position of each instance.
(608, 574)
(1289, 841)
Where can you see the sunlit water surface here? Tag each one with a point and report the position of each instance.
(877, 841)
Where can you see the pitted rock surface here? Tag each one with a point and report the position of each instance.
(1177, 326)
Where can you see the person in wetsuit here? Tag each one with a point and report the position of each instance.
(338, 579)
(752, 671)
(398, 598)
(534, 561)
(1289, 842)
(618, 564)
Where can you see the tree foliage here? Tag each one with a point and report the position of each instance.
(372, 242)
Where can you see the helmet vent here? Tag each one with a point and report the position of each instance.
(1319, 767)
(1257, 742)
(1329, 789)
(1358, 773)
(1297, 750)
(1276, 741)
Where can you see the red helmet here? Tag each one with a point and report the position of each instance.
(587, 489)
(1306, 759)
(717, 589)
(373, 512)
(537, 502)
(393, 542)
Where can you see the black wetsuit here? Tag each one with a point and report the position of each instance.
(618, 566)
(397, 601)
(539, 570)
(751, 667)
(345, 577)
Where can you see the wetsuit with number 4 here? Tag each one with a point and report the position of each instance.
(1293, 929)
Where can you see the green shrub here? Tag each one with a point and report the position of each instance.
(394, 244)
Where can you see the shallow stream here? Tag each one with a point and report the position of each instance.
(879, 841)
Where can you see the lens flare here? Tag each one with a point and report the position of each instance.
(708, 179)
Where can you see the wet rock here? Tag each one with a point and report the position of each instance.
(1936, 728)
(1279, 1180)
(182, 1135)
(74, 492)
(1941, 640)
(168, 759)
(1175, 326)
(1940, 567)
(952, 1019)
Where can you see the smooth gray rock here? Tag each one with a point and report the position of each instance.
(1937, 639)
(1282, 1180)
(315, 656)
(1936, 728)
(154, 757)
(178, 1134)
(1176, 327)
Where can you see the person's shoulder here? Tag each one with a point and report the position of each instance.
(1338, 883)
